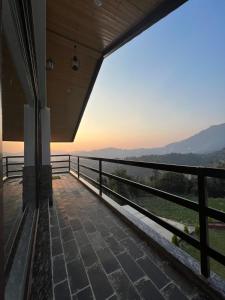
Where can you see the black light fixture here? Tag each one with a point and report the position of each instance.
(50, 64)
(75, 63)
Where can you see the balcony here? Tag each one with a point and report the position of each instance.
(110, 247)
(70, 232)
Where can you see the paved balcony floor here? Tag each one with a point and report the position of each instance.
(95, 255)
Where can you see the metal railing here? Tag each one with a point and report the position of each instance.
(13, 165)
(60, 163)
(200, 207)
(73, 163)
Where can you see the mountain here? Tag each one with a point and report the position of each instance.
(206, 141)
(117, 153)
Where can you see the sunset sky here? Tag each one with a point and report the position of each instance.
(163, 86)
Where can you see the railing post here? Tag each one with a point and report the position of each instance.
(100, 177)
(69, 162)
(78, 166)
(203, 223)
(7, 167)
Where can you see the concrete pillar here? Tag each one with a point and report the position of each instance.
(46, 176)
(46, 136)
(29, 183)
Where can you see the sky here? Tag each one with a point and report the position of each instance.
(165, 85)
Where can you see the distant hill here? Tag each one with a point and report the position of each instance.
(213, 159)
(206, 141)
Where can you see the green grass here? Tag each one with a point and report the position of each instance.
(216, 241)
(169, 210)
(217, 203)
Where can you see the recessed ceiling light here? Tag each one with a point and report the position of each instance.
(98, 3)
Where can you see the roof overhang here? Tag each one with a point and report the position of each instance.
(91, 33)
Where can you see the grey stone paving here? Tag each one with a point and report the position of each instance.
(95, 255)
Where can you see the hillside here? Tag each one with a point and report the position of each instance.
(208, 140)
(210, 159)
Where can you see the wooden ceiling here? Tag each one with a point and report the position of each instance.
(90, 32)
(13, 97)
(92, 26)
(66, 88)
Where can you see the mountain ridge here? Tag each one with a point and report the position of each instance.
(206, 141)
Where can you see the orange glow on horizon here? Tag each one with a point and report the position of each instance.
(88, 141)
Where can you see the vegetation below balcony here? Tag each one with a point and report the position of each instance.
(185, 186)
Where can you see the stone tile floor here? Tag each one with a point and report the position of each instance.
(95, 255)
(12, 205)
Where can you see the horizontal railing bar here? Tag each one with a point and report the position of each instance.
(89, 168)
(55, 155)
(89, 178)
(14, 171)
(15, 176)
(16, 163)
(167, 196)
(194, 242)
(216, 214)
(59, 161)
(213, 172)
(192, 170)
(14, 156)
(216, 255)
(61, 167)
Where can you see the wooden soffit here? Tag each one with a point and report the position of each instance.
(89, 30)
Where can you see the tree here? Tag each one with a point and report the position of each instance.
(173, 183)
(122, 188)
(216, 187)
